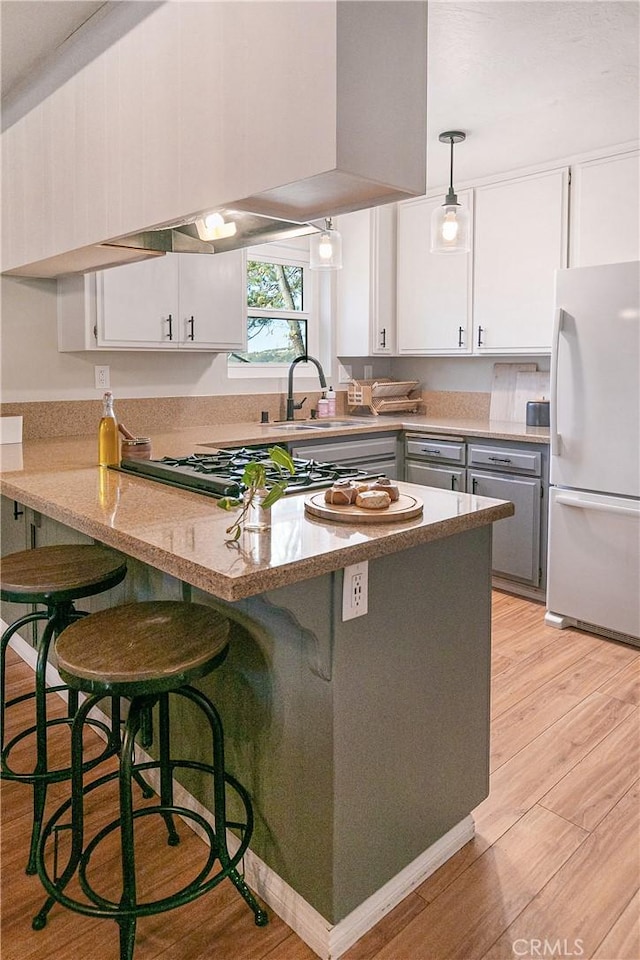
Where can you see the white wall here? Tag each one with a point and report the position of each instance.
(474, 374)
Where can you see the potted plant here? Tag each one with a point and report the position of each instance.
(260, 494)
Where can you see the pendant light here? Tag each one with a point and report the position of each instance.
(325, 248)
(450, 222)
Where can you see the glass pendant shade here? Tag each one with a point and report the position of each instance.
(450, 223)
(450, 229)
(325, 249)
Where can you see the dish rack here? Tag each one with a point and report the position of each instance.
(383, 395)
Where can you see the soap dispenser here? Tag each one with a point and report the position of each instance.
(331, 401)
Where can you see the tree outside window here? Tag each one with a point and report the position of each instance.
(276, 314)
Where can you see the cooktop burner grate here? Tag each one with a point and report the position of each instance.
(219, 474)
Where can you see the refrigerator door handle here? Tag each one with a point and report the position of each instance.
(553, 406)
(569, 501)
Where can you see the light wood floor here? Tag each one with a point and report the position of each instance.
(554, 869)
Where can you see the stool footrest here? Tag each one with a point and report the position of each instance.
(56, 774)
(98, 906)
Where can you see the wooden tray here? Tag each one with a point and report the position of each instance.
(404, 508)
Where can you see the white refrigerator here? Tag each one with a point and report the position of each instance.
(593, 579)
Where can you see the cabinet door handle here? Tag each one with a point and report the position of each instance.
(169, 320)
(453, 482)
(460, 336)
(191, 335)
(474, 485)
(17, 513)
(383, 337)
(480, 331)
(433, 453)
(499, 459)
(558, 325)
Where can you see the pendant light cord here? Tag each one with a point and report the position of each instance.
(451, 167)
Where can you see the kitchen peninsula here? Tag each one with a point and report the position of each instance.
(364, 744)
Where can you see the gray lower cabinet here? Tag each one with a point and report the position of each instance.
(516, 539)
(446, 478)
(25, 529)
(503, 470)
(15, 537)
(376, 455)
(436, 462)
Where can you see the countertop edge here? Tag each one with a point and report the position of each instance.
(258, 581)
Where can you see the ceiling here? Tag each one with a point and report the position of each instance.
(529, 81)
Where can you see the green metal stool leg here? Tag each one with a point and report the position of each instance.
(128, 900)
(77, 813)
(40, 784)
(166, 770)
(220, 803)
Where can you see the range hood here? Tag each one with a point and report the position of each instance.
(313, 110)
(249, 229)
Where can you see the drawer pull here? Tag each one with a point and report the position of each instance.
(433, 453)
(499, 459)
(595, 505)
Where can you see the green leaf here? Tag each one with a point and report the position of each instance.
(276, 491)
(282, 458)
(254, 474)
(228, 503)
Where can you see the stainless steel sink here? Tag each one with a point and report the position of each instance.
(317, 425)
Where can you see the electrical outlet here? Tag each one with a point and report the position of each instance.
(103, 380)
(355, 590)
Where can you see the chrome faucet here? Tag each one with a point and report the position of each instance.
(291, 405)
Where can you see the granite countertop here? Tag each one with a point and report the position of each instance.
(183, 533)
(230, 434)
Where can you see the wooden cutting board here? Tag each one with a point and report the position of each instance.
(529, 386)
(503, 389)
(404, 508)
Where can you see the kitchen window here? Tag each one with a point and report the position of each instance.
(281, 312)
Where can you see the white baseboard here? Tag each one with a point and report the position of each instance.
(329, 941)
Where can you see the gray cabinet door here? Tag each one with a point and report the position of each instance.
(516, 539)
(446, 478)
(14, 538)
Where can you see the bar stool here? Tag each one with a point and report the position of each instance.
(56, 577)
(146, 652)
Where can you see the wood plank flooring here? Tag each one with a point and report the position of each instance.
(554, 869)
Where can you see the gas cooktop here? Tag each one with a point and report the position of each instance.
(219, 474)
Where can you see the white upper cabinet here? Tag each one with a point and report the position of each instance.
(213, 301)
(434, 290)
(499, 298)
(366, 286)
(605, 211)
(137, 304)
(178, 301)
(520, 240)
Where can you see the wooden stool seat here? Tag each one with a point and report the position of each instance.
(65, 572)
(53, 577)
(142, 647)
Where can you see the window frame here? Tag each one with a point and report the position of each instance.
(311, 313)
